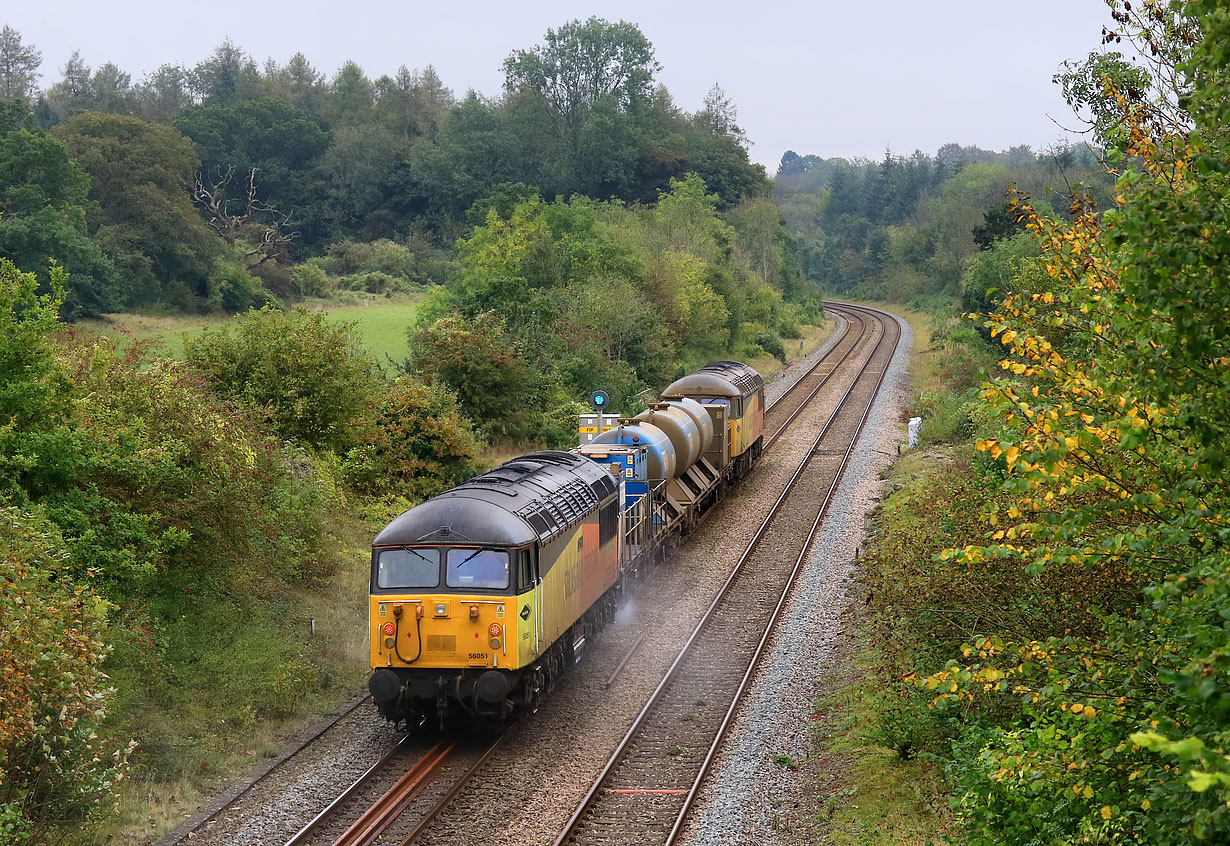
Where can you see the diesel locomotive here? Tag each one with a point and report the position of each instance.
(483, 596)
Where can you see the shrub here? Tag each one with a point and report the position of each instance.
(36, 451)
(310, 280)
(420, 444)
(483, 365)
(788, 328)
(347, 258)
(169, 474)
(771, 344)
(313, 375)
(53, 766)
(233, 289)
(373, 282)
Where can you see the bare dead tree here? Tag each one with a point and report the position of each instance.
(230, 215)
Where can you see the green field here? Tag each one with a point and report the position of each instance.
(381, 324)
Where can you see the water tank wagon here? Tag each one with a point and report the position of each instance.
(660, 455)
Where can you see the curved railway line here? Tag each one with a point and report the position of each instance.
(647, 787)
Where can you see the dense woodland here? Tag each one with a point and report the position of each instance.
(1046, 603)
(906, 228)
(165, 191)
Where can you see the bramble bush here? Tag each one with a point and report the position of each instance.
(54, 767)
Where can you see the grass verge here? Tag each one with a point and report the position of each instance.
(211, 740)
(884, 799)
(876, 787)
(813, 337)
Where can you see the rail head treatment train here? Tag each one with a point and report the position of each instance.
(483, 596)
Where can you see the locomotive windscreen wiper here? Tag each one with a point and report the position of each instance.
(418, 554)
(474, 553)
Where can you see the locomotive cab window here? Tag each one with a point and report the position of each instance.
(408, 568)
(476, 568)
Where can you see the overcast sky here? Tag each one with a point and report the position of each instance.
(829, 78)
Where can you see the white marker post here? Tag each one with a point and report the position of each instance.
(913, 427)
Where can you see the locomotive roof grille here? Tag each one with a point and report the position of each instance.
(546, 493)
(737, 373)
(721, 378)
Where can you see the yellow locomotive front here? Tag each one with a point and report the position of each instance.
(419, 623)
(456, 612)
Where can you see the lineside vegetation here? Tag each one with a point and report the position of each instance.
(1053, 633)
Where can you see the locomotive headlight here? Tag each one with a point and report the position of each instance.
(495, 643)
(388, 628)
(495, 629)
(388, 643)
(441, 609)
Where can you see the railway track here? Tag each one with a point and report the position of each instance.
(201, 820)
(786, 408)
(644, 792)
(399, 798)
(399, 795)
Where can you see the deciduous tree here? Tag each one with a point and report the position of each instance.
(142, 176)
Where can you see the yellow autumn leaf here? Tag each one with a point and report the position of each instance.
(1106, 812)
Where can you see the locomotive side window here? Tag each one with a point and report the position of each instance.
(525, 570)
(408, 568)
(477, 568)
(608, 521)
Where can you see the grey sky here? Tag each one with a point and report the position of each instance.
(829, 78)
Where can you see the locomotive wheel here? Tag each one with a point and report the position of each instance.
(534, 684)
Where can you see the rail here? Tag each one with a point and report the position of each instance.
(603, 806)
